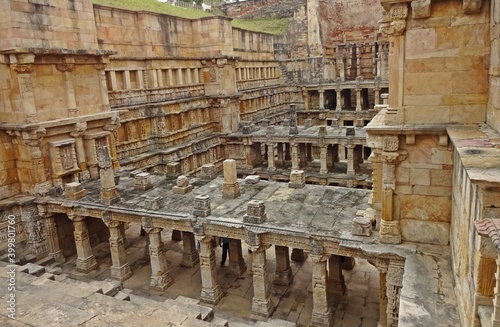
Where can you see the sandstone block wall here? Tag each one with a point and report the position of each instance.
(445, 72)
(48, 24)
(494, 71)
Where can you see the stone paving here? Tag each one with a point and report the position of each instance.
(357, 308)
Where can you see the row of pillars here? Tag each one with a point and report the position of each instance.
(327, 278)
(299, 154)
(343, 99)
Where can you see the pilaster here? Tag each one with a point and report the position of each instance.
(237, 263)
(190, 257)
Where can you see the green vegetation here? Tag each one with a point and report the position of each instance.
(266, 25)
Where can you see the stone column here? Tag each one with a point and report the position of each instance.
(339, 99)
(190, 257)
(283, 275)
(376, 96)
(80, 151)
(295, 156)
(389, 227)
(350, 160)
(237, 264)
(160, 275)
(270, 156)
(23, 65)
(336, 282)
(358, 99)
(120, 269)
(393, 24)
(321, 99)
(323, 155)
(52, 238)
(261, 302)
(230, 186)
(109, 194)
(394, 283)
(298, 255)
(211, 291)
(382, 298)
(85, 261)
(321, 314)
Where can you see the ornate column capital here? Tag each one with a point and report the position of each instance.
(394, 21)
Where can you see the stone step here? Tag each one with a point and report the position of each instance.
(45, 261)
(275, 323)
(219, 322)
(122, 296)
(185, 309)
(108, 286)
(206, 313)
(32, 269)
(191, 322)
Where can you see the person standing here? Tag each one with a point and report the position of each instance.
(224, 243)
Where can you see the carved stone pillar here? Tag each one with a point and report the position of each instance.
(321, 314)
(109, 194)
(103, 88)
(271, 165)
(52, 238)
(237, 264)
(389, 227)
(120, 269)
(323, 155)
(85, 261)
(190, 257)
(358, 99)
(283, 275)
(495, 317)
(160, 275)
(336, 283)
(211, 291)
(23, 65)
(338, 93)
(80, 150)
(295, 156)
(382, 299)
(261, 302)
(394, 283)
(350, 160)
(394, 24)
(321, 99)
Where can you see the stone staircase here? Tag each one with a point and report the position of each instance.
(46, 299)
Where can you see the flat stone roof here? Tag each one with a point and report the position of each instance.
(320, 210)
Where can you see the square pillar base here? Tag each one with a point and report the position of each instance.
(190, 260)
(121, 273)
(161, 282)
(262, 308)
(230, 191)
(211, 296)
(109, 196)
(283, 278)
(86, 265)
(321, 319)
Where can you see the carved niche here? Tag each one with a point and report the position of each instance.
(63, 158)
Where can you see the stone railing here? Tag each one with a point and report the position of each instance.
(253, 84)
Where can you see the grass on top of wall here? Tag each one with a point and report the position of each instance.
(265, 25)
